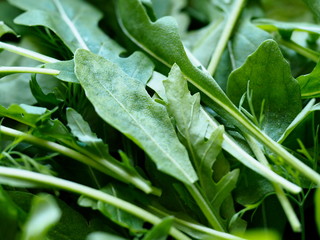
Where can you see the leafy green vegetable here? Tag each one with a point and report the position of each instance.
(140, 118)
(266, 69)
(159, 119)
(309, 84)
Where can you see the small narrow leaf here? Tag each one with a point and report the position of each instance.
(124, 103)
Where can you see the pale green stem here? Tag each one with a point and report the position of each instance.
(182, 224)
(11, 70)
(27, 53)
(308, 53)
(70, 24)
(284, 201)
(50, 181)
(225, 36)
(99, 164)
(235, 150)
(205, 208)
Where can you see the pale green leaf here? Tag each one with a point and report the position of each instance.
(44, 214)
(267, 75)
(103, 236)
(124, 103)
(4, 29)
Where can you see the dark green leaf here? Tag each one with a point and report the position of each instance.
(309, 84)
(131, 110)
(267, 75)
(118, 216)
(159, 231)
(10, 216)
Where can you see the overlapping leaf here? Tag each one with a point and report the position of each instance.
(76, 23)
(271, 82)
(202, 141)
(131, 110)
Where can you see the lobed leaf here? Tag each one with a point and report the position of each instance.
(131, 110)
(267, 75)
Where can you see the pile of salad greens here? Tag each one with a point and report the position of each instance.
(159, 119)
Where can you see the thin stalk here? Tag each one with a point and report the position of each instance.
(27, 53)
(183, 224)
(235, 150)
(205, 208)
(70, 24)
(50, 181)
(99, 164)
(225, 36)
(11, 70)
(308, 53)
(284, 201)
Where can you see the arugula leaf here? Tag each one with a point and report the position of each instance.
(103, 236)
(309, 84)
(159, 231)
(314, 6)
(118, 216)
(73, 16)
(154, 40)
(266, 69)
(4, 29)
(133, 112)
(44, 214)
(23, 113)
(10, 216)
(202, 141)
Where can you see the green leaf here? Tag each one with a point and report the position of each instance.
(72, 20)
(271, 25)
(266, 69)
(49, 99)
(302, 116)
(133, 112)
(81, 129)
(44, 214)
(160, 231)
(202, 141)
(309, 84)
(23, 113)
(10, 216)
(115, 214)
(314, 6)
(4, 29)
(75, 22)
(98, 149)
(103, 236)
